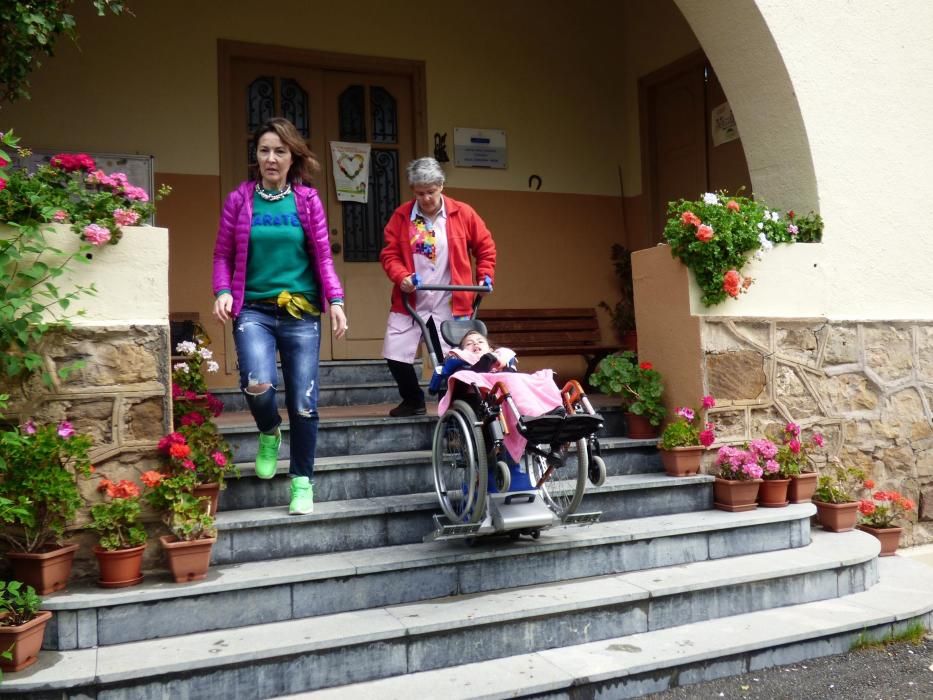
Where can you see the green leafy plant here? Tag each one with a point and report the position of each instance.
(19, 603)
(638, 384)
(622, 312)
(188, 372)
(717, 234)
(39, 467)
(840, 484)
(116, 520)
(30, 30)
(686, 430)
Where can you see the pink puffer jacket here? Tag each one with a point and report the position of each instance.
(232, 245)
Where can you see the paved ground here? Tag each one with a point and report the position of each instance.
(900, 671)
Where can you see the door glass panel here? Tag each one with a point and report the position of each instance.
(260, 102)
(295, 106)
(363, 223)
(351, 114)
(384, 114)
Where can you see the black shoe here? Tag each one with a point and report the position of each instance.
(408, 408)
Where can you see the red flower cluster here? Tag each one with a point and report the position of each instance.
(120, 489)
(173, 440)
(72, 162)
(193, 418)
(889, 507)
(646, 365)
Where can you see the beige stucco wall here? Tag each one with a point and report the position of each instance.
(544, 73)
(131, 277)
(856, 107)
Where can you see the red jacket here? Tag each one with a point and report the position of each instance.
(466, 234)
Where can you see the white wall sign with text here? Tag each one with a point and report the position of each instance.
(480, 148)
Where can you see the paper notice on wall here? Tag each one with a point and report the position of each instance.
(723, 123)
(351, 170)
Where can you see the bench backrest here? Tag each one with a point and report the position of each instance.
(544, 328)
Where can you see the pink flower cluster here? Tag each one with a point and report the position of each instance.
(125, 217)
(755, 462)
(96, 234)
(119, 183)
(72, 162)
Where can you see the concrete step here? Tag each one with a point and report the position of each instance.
(353, 430)
(293, 656)
(639, 664)
(264, 533)
(275, 590)
(328, 395)
(394, 473)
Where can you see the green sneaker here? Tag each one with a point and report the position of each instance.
(302, 496)
(267, 456)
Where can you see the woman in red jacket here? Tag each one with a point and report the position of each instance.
(432, 236)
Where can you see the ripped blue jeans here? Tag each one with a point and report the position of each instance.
(260, 330)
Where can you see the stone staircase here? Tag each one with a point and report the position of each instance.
(349, 601)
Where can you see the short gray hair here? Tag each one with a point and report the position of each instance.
(425, 171)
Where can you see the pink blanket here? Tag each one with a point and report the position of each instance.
(534, 394)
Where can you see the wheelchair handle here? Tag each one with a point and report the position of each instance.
(479, 289)
(528, 498)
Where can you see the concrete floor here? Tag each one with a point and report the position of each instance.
(922, 553)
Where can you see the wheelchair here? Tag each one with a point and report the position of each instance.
(480, 488)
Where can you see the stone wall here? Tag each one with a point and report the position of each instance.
(867, 386)
(119, 396)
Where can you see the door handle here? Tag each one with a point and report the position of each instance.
(335, 248)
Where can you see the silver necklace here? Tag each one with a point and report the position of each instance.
(268, 196)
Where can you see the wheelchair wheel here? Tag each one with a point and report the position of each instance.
(503, 476)
(564, 488)
(597, 471)
(460, 471)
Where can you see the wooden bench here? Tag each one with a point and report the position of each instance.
(548, 332)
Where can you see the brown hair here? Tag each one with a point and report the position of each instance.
(304, 165)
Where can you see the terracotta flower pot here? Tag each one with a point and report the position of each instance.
(188, 561)
(209, 490)
(735, 495)
(802, 487)
(682, 461)
(47, 572)
(773, 493)
(26, 640)
(837, 517)
(639, 427)
(890, 538)
(120, 567)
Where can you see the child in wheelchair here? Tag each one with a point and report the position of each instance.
(521, 412)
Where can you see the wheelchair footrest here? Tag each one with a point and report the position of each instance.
(444, 529)
(582, 518)
(556, 429)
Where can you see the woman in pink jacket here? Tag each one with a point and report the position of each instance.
(274, 276)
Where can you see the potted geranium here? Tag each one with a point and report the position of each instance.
(737, 480)
(835, 496)
(878, 514)
(794, 458)
(212, 457)
(187, 515)
(639, 386)
(682, 442)
(122, 542)
(39, 467)
(772, 493)
(22, 625)
(717, 234)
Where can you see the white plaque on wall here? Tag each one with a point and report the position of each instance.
(723, 125)
(480, 148)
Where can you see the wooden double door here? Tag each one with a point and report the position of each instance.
(329, 102)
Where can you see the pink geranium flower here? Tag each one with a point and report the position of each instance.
(96, 235)
(65, 430)
(125, 217)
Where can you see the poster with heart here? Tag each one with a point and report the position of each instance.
(351, 170)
